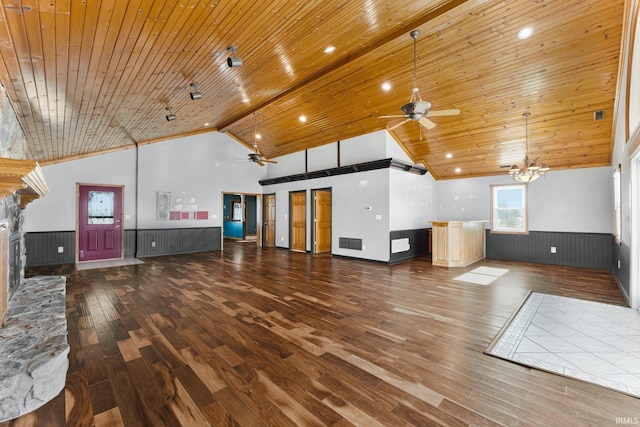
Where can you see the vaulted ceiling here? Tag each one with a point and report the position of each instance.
(93, 76)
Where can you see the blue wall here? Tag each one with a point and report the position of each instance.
(234, 229)
(252, 225)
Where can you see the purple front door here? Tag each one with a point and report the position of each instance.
(99, 222)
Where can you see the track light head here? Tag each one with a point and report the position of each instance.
(170, 116)
(195, 94)
(233, 61)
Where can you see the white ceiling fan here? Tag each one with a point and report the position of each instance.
(257, 156)
(416, 109)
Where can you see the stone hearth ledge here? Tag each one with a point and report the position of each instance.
(33, 346)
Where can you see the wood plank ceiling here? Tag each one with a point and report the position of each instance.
(92, 76)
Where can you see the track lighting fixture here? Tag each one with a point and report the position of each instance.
(195, 94)
(233, 61)
(170, 116)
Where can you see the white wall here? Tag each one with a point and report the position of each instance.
(412, 200)
(360, 149)
(351, 195)
(200, 166)
(323, 157)
(366, 205)
(577, 200)
(57, 210)
(393, 150)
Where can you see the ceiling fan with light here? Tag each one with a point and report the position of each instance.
(257, 156)
(416, 109)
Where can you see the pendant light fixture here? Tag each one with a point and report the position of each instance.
(529, 171)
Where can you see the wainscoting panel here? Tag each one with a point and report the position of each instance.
(178, 240)
(418, 244)
(42, 248)
(586, 250)
(129, 243)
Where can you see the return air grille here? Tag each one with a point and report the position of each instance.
(349, 243)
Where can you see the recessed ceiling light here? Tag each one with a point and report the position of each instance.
(386, 86)
(206, 124)
(458, 170)
(303, 118)
(525, 33)
(245, 100)
(258, 136)
(329, 49)
(449, 155)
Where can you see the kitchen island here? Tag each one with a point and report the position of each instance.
(457, 243)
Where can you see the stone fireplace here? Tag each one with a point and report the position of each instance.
(16, 262)
(33, 332)
(11, 256)
(21, 181)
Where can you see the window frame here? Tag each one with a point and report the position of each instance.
(525, 210)
(617, 203)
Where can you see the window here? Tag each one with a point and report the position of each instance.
(100, 207)
(509, 209)
(237, 211)
(617, 195)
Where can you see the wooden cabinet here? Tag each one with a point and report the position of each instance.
(457, 243)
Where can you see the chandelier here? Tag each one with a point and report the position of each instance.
(530, 171)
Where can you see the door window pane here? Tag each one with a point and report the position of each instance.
(100, 207)
(238, 211)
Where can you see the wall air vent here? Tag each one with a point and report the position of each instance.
(598, 115)
(350, 243)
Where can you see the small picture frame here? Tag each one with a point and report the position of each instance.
(163, 202)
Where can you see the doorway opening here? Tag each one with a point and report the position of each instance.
(241, 216)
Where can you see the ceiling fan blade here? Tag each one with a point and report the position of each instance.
(398, 124)
(393, 116)
(260, 163)
(427, 123)
(452, 112)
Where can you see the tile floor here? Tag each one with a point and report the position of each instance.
(594, 342)
(89, 265)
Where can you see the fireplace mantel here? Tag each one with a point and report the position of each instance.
(24, 177)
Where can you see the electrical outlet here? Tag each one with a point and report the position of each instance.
(60, 249)
(153, 244)
(553, 249)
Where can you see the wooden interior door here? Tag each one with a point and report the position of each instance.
(322, 221)
(99, 222)
(298, 221)
(269, 220)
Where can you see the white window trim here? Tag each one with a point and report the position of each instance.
(525, 214)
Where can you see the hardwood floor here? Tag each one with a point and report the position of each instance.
(268, 337)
